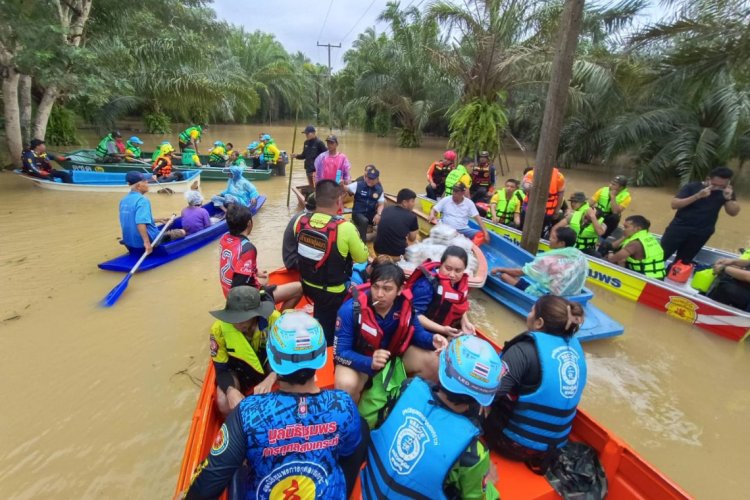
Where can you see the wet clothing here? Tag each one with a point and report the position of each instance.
(395, 225)
(136, 209)
(238, 190)
(692, 225)
(294, 444)
(38, 165)
(312, 149)
(336, 168)
(238, 263)
(195, 219)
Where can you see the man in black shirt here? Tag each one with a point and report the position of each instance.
(698, 205)
(398, 224)
(312, 148)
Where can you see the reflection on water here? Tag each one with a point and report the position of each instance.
(98, 402)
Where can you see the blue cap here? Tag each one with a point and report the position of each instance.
(218, 143)
(266, 137)
(135, 140)
(136, 177)
(470, 366)
(296, 341)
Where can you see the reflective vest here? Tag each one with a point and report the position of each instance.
(368, 333)
(268, 155)
(101, 148)
(217, 155)
(134, 151)
(188, 157)
(652, 264)
(185, 134)
(554, 195)
(505, 209)
(416, 447)
(449, 303)
(587, 236)
(317, 248)
(604, 204)
(166, 169)
(542, 419)
(242, 350)
(480, 175)
(366, 199)
(453, 177)
(439, 172)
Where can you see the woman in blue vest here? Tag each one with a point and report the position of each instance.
(544, 374)
(428, 446)
(369, 200)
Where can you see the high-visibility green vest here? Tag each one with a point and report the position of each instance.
(604, 204)
(185, 134)
(505, 209)
(101, 148)
(454, 177)
(652, 264)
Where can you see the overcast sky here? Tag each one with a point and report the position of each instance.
(300, 24)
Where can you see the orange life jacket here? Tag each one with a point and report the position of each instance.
(480, 175)
(166, 169)
(554, 195)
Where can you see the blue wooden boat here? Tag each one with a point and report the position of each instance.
(173, 250)
(502, 253)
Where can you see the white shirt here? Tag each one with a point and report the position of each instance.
(456, 215)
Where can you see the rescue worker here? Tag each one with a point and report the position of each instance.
(482, 179)
(299, 442)
(162, 167)
(133, 150)
(326, 246)
(369, 201)
(270, 153)
(428, 446)
(638, 249)
(157, 151)
(459, 174)
(505, 205)
(106, 150)
(190, 158)
(332, 164)
(543, 378)
(437, 173)
(312, 149)
(610, 201)
(238, 346)
(218, 155)
(252, 154)
(239, 190)
(555, 197)
(376, 324)
(190, 137)
(36, 162)
(584, 221)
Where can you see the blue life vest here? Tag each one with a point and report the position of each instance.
(366, 199)
(542, 419)
(417, 445)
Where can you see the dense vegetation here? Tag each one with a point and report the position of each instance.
(671, 98)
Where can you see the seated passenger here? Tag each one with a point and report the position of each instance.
(448, 460)
(238, 346)
(562, 270)
(505, 205)
(377, 324)
(638, 249)
(194, 216)
(162, 167)
(35, 161)
(107, 150)
(543, 377)
(456, 210)
(733, 287)
(239, 190)
(133, 150)
(583, 220)
(218, 155)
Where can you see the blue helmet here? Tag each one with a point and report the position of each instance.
(135, 140)
(266, 138)
(253, 145)
(470, 366)
(296, 341)
(218, 143)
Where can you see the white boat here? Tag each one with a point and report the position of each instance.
(111, 182)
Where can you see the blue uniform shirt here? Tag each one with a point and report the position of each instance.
(423, 294)
(136, 209)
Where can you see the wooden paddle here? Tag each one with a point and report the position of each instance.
(291, 162)
(118, 290)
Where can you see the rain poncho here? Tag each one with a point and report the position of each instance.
(562, 271)
(239, 189)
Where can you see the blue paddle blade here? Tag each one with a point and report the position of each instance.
(114, 295)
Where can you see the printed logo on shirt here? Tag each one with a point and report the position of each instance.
(302, 406)
(410, 442)
(568, 369)
(292, 481)
(213, 346)
(221, 442)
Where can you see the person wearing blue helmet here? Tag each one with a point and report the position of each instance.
(299, 442)
(133, 150)
(218, 155)
(270, 153)
(428, 445)
(252, 154)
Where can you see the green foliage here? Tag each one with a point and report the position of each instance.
(381, 124)
(157, 123)
(478, 125)
(61, 129)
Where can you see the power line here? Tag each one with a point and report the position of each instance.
(330, 4)
(358, 21)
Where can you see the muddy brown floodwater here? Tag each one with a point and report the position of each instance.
(97, 402)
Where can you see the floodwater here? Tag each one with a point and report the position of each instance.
(97, 402)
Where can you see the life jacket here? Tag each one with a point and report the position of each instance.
(554, 194)
(587, 236)
(604, 204)
(439, 172)
(188, 157)
(39, 164)
(101, 148)
(411, 454)
(480, 175)
(652, 264)
(448, 304)
(268, 155)
(453, 177)
(541, 420)
(368, 333)
(240, 349)
(366, 198)
(166, 169)
(134, 151)
(505, 209)
(184, 136)
(217, 155)
(317, 248)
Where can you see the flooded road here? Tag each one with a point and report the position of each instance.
(97, 402)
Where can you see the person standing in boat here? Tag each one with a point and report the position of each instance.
(190, 137)
(35, 161)
(482, 179)
(312, 148)
(638, 249)
(300, 441)
(505, 205)
(698, 205)
(610, 201)
(398, 226)
(555, 197)
(369, 201)
(428, 446)
(542, 380)
(162, 167)
(437, 173)
(136, 220)
(456, 210)
(332, 164)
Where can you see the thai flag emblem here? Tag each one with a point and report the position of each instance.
(304, 341)
(481, 371)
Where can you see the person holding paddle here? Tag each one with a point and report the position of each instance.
(35, 162)
(133, 150)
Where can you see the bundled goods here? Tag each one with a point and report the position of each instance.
(432, 248)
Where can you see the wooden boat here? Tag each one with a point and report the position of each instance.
(502, 253)
(677, 301)
(111, 182)
(173, 250)
(629, 475)
(85, 160)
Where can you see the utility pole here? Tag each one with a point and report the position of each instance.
(330, 86)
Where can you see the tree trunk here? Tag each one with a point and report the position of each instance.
(24, 92)
(43, 111)
(12, 115)
(554, 112)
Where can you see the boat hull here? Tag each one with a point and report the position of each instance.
(110, 182)
(173, 250)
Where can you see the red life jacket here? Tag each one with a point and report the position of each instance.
(368, 332)
(480, 176)
(166, 169)
(449, 303)
(439, 172)
(316, 248)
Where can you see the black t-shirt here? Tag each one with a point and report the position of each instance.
(310, 151)
(701, 215)
(395, 225)
(521, 369)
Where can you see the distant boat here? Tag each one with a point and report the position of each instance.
(111, 182)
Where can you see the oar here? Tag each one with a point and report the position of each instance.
(291, 163)
(163, 189)
(114, 295)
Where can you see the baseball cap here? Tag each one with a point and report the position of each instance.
(134, 177)
(332, 138)
(484, 154)
(308, 129)
(459, 186)
(244, 303)
(135, 140)
(578, 197)
(373, 173)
